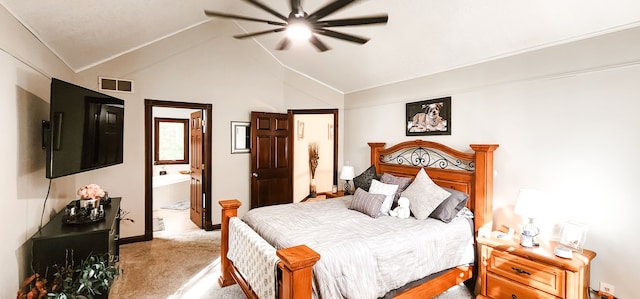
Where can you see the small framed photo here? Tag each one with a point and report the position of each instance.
(573, 236)
(300, 130)
(240, 137)
(429, 117)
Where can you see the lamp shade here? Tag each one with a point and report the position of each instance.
(531, 203)
(347, 173)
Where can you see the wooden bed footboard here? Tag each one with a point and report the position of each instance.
(296, 263)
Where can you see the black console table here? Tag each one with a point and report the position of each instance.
(56, 239)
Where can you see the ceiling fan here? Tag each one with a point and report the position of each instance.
(300, 21)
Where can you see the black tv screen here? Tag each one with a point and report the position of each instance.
(85, 130)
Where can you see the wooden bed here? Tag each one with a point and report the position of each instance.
(470, 172)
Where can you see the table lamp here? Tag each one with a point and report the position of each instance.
(347, 174)
(530, 204)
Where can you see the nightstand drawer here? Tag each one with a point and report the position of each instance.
(536, 275)
(501, 288)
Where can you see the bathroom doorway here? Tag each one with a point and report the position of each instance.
(177, 193)
(315, 129)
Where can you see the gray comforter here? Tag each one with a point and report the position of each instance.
(363, 257)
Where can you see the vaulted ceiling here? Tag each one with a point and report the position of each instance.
(422, 37)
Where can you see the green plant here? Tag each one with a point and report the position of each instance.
(92, 277)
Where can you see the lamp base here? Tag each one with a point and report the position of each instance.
(347, 187)
(528, 241)
(528, 235)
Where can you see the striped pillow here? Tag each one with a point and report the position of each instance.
(367, 203)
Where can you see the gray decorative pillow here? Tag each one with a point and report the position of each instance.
(424, 195)
(364, 179)
(402, 183)
(450, 207)
(367, 203)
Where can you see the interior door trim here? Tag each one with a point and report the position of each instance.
(148, 160)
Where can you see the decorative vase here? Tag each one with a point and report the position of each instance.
(312, 189)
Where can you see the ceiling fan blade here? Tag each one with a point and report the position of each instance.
(318, 44)
(241, 36)
(237, 17)
(342, 36)
(381, 19)
(329, 9)
(268, 9)
(284, 44)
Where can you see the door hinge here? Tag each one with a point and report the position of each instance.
(204, 125)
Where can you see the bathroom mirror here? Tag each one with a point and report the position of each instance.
(240, 137)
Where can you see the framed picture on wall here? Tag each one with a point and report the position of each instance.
(429, 117)
(240, 137)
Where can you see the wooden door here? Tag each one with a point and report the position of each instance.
(196, 145)
(270, 159)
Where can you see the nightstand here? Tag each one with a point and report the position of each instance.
(330, 194)
(508, 270)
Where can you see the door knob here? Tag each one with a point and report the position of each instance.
(255, 175)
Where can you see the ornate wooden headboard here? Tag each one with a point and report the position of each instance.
(471, 172)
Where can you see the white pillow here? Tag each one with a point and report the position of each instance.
(388, 190)
(424, 195)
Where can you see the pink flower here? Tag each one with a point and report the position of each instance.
(91, 191)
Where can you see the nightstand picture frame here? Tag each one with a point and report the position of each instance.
(573, 236)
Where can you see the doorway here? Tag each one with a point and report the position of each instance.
(276, 140)
(198, 201)
(314, 130)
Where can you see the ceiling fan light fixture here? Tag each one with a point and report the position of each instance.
(301, 26)
(298, 31)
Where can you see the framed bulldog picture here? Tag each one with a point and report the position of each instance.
(429, 117)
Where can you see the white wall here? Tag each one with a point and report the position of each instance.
(566, 121)
(25, 70)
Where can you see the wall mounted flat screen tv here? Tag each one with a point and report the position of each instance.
(85, 130)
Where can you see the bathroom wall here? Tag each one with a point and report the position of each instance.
(179, 113)
(318, 129)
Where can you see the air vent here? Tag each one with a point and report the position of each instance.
(112, 84)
